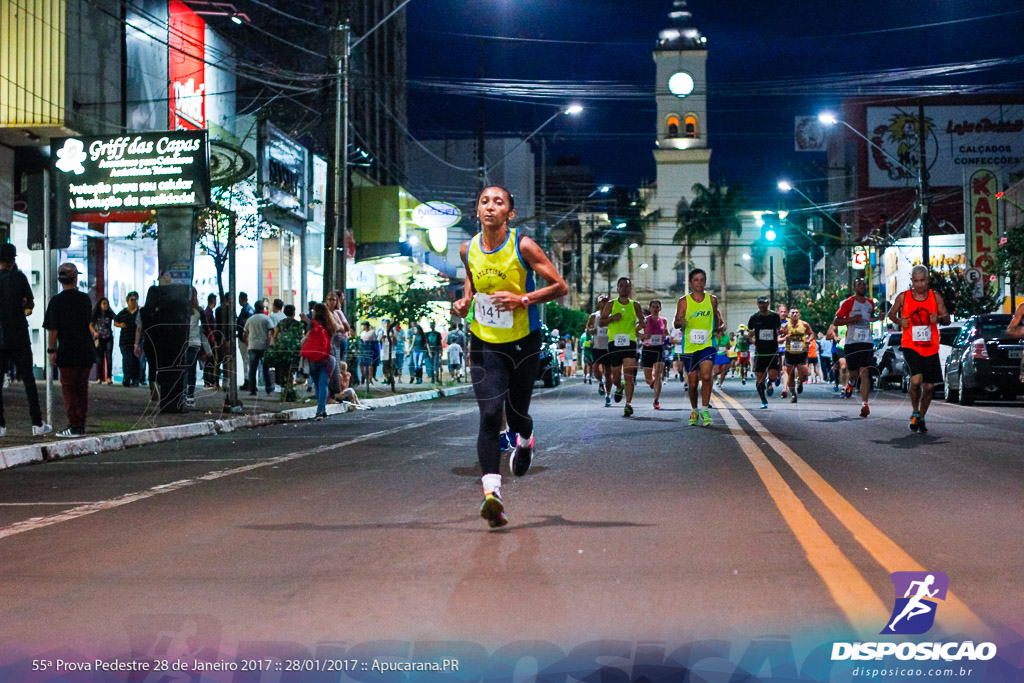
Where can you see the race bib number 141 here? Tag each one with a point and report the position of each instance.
(487, 314)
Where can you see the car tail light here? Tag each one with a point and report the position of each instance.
(978, 349)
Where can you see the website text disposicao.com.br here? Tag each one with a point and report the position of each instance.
(909, 672)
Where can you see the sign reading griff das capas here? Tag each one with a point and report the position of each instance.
(134, 172)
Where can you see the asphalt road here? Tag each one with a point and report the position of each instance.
(313, 538)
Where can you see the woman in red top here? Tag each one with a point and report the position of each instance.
(316, 348)
(918, 311)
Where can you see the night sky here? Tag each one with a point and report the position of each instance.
(750, 133)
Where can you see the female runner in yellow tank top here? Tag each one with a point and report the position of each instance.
(505, 341)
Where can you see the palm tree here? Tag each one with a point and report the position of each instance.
(714, 212)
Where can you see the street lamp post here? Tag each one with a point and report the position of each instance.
(922, 201)
(786, 186)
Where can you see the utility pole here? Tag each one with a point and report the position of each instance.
(542, 222)
(334, 267)
(922, 184)
(481, 124)
(593, 258)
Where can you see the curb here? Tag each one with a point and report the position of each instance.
(23, 455)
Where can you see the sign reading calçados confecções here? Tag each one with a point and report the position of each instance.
(133, 172)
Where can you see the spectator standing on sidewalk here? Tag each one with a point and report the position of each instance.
(419, 347)
(399, 335)
(278, 314)
(70, 346)
(316, 349)
(210, 374)
(16, 302)
(367, 340)
(387, 353)
(434, 350)
(198, 345)
(258, 335)
(244, 313)
(127, 321)
(223, 342)
(103, 339)
(339, 341)
(146, 338)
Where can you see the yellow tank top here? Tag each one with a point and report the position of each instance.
(626, 325)
(796, 342)
(501, 270)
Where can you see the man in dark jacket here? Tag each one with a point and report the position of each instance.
(70, 346)
(16, 302)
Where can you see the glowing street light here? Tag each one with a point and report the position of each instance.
(634, 245)
(573, 110)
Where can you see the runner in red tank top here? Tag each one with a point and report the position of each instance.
(918, 311)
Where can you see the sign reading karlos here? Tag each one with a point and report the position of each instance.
(983, 223)
(134, 172)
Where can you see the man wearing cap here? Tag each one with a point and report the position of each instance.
(16, 302)
(70, 346)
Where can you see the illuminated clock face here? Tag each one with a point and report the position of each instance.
(681, 84)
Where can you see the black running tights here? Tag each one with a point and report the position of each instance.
(503, 377)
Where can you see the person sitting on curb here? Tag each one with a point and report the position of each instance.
(347, 395)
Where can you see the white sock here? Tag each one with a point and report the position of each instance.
(491, 482)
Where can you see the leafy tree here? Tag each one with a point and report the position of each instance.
(714, 212)
(214, 227)
(958, 294)
(820, 309)
(284, 355)
(1010, 255)
(565, 320)
(407, 304)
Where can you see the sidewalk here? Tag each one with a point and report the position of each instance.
(122, 417)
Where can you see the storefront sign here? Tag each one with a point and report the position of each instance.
(983, 223)
(284, 170)
(134, 172)
(956, 137)
(436, 215)
(186, 64)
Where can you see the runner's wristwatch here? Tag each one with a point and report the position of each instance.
(525, 300)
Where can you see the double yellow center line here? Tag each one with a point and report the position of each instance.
(864, 609)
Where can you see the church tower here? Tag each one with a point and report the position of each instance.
(681, 91)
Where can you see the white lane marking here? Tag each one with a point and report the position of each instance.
(128, 498)
(167, 461)
(29, 505)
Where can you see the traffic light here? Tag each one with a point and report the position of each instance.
(769, 231)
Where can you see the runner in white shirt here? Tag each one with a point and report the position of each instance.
(857, 313)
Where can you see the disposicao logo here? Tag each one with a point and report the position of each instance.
(914, 613)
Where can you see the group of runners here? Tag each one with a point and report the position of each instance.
(501, 306)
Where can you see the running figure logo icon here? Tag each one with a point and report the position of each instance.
(914, 613)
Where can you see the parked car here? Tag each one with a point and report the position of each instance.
(889, 359)
(947, 335)
(549, 371)
(984, 362)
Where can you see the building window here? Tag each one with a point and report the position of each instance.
(673, 126)
(691, 126)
